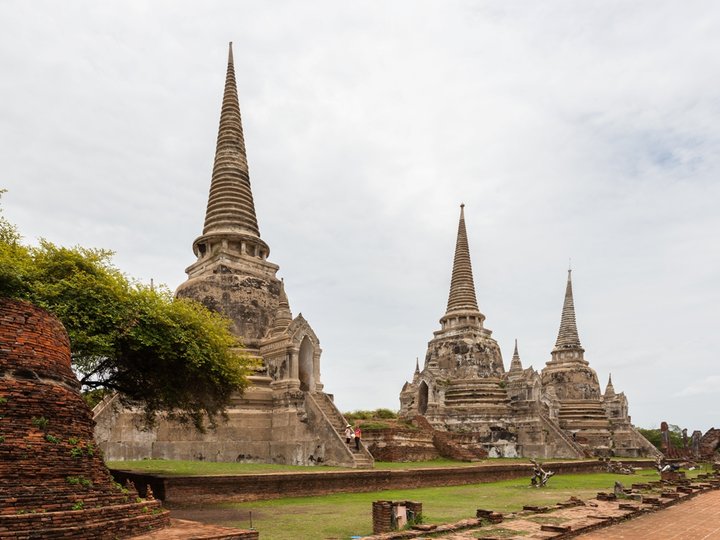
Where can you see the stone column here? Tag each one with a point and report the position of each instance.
(316, 369)
(294, 364)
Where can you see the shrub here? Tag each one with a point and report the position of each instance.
(385, 414)
(40, 422)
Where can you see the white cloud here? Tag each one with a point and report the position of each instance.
(585, 130)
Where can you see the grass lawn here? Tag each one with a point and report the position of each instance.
(199, 468)
(344, 515)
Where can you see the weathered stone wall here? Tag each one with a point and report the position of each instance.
(262, 427)
(53, 482)
(248, 299)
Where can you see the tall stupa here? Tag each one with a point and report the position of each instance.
(283, 416)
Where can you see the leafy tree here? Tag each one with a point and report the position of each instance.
(167, 355)
(655, 436)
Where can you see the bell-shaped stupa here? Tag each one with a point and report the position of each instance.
(53, 482)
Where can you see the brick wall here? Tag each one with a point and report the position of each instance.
(53, 481)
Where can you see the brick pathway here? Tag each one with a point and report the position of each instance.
(181, 529)
(695, 519)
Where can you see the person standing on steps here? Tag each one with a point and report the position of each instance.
(349, 434)
(358, 436)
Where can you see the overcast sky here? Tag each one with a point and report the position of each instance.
(571, 130)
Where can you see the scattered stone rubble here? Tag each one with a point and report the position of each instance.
(569, 518)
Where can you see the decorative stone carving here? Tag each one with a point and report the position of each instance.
(559, 412)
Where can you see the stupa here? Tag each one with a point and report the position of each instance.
(53, 481)
(569, 378)
(461, 387)
(284, 416)
(559, 412)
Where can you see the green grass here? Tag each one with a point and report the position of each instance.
(200, 468)
(204, 468)
(344, 515)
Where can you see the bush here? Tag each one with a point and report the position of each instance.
(385, 413)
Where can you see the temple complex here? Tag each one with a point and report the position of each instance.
(283, 416)
(464, 387)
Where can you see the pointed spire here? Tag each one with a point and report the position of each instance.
(609, 389)
(417, 365)
(462, 288)
(283, 315)
(230, 204)
(516, 364)
(568, 335)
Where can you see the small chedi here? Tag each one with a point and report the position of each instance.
(53, 482)
(464, 388)
(283, 416)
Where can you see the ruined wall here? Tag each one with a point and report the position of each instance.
(400, 444)
(54, 482)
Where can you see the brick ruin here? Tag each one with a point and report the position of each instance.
(559, 412)
(284, 416)
(394, 515)
(53, 482)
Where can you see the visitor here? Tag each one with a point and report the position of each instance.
(349, 434)
(358, 436)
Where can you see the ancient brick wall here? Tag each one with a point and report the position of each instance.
(400, 444)
(53, 482)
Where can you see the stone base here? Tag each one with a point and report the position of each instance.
(263, 425)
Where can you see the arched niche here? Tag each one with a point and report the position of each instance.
(306, 372)
(423, 398)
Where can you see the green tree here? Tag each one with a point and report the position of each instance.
(167, 355)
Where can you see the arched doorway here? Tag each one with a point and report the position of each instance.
(423, 398)
(305, 366)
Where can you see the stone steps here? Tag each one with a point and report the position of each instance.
(338, 422)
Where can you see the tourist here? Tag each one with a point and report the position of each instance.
(358, 436)
(349, 434)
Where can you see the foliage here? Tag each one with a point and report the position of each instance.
(169, 355)
(655, 436)
(40, 422)
(377, 414)
(95, 396)
(385, 413)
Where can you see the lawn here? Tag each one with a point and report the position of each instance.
(345, 515)
(201, 468)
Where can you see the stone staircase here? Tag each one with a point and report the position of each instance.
(445, 444)
(562, 435)
(362, 458)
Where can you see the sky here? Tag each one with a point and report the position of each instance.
(582, 133)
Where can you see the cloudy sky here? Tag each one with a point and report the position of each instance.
(571, 130)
